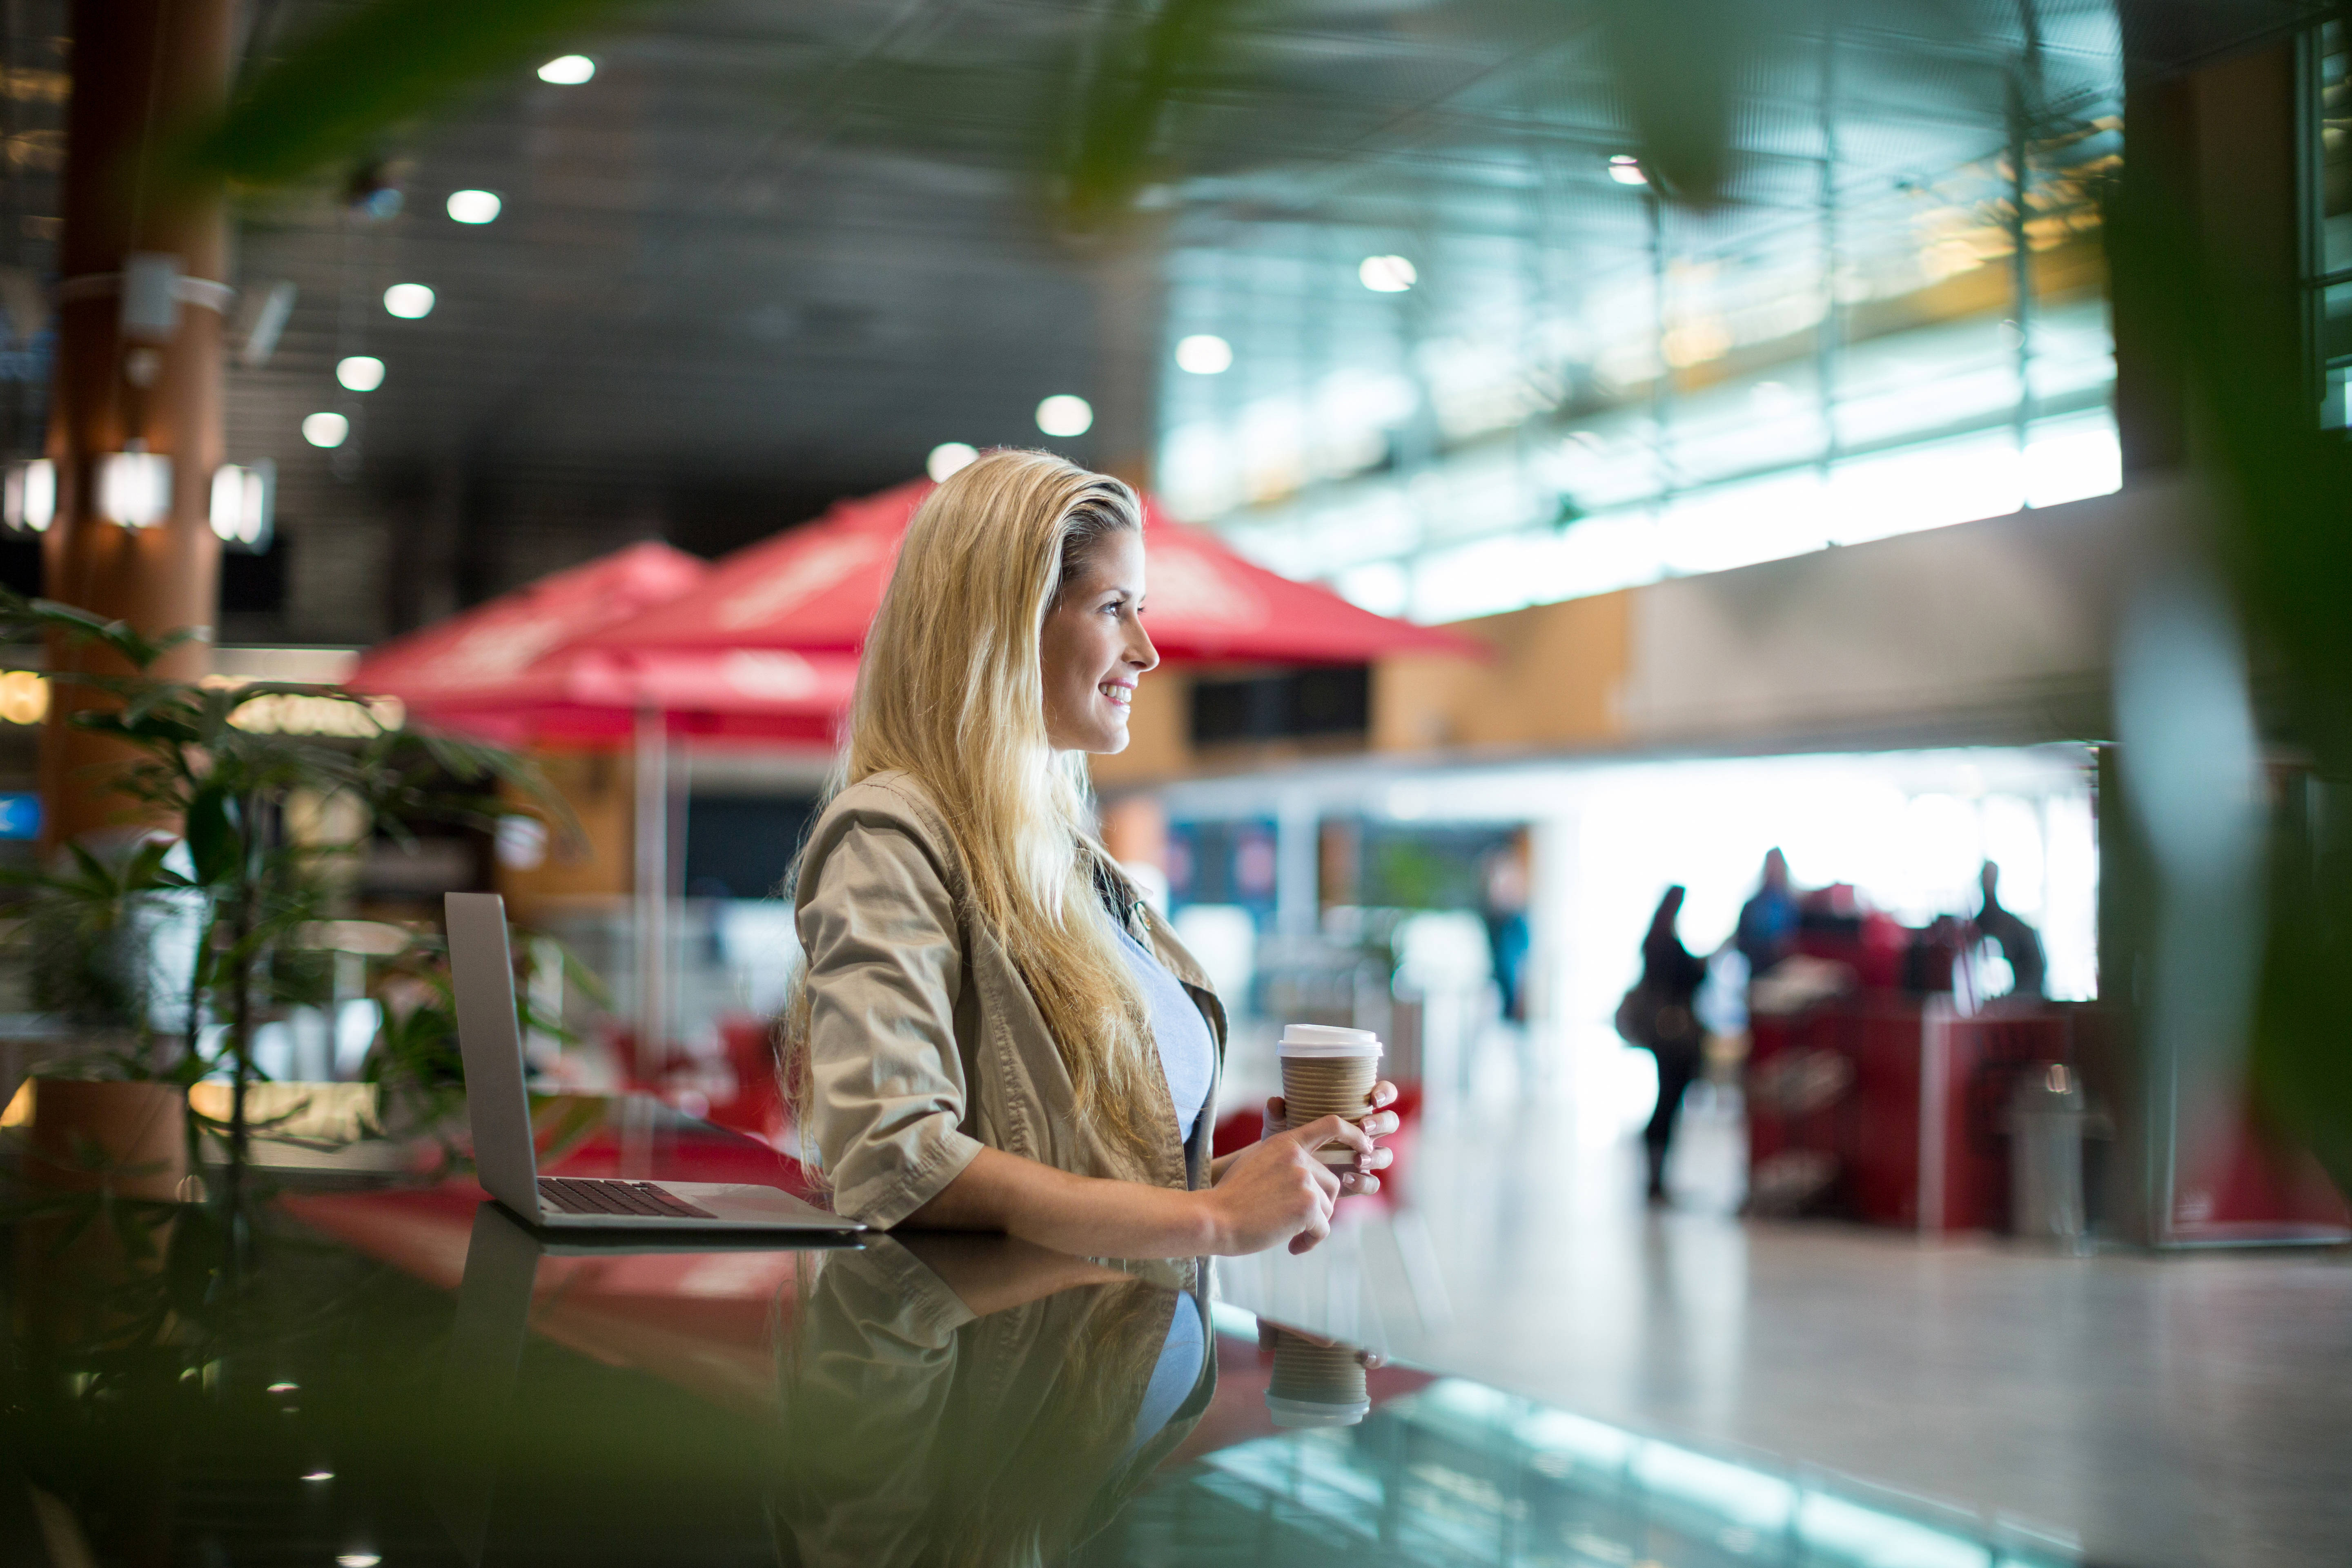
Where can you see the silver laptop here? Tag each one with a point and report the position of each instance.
(491, 1037)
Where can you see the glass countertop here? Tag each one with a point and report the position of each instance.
(339, 1365)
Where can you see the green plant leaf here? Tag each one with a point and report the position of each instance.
(374, 67)
(213, 835)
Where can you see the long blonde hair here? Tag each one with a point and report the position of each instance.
(950, 691)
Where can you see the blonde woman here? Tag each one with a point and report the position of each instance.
(992, 1031)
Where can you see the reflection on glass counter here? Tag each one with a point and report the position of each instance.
(386, 1374)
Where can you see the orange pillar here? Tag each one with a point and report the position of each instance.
(144, 70)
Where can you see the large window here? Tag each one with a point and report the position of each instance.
(1926, 342)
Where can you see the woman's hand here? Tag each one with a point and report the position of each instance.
(1378, 1124)
(1276, 1190)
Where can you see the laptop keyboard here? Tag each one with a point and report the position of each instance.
(573, 1195)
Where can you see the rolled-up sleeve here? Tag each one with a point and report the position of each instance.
(884, 970)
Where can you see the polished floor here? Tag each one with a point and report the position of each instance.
(2128, 1409)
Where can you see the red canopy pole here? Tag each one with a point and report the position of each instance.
(652, 890)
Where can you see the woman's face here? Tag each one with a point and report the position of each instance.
(1093, 647)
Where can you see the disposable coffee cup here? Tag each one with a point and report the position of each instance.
(1314, 1384)
(1328, 1071)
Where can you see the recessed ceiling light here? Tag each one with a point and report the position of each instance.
(948, 457)
(1204, 354)
(1626, 169)
(1388, 274)
(474, 206)
(568, 70)
(1064, 414)
(360, 372)
(321, 430)
(409, 301)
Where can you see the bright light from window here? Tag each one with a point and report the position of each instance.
(474, 206)
(360, 372)
(1626, 169)
(1388, 274)
(409, 301)
(1204, 354)
(568, 70)
(948, 457)
(1062, 414)
(326, 429)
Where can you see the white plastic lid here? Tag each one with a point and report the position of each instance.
(1327, 1040)
(1314, 1412)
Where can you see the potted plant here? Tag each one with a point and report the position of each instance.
(167, 946)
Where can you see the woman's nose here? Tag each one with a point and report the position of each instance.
(1139, 651)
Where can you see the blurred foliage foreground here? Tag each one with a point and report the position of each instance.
(166, 942)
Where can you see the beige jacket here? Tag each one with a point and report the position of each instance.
(924, 1042)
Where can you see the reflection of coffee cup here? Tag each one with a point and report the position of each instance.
(1328, 1071)
(1314, 1384)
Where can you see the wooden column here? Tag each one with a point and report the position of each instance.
(144, 70)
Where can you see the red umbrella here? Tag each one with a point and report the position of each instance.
(817, 588)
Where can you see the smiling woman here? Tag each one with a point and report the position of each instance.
(992, 1030)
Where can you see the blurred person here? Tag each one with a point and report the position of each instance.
(1766, 931)
(2020, 944)
(994, 1031)
(1657, 1015)
(1503, 900)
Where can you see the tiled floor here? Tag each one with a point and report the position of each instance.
(2155, 1410)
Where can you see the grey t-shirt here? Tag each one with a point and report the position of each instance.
(1187, 1053)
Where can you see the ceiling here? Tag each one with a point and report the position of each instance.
(773, 253)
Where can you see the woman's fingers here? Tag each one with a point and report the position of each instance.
(1383, 1093)
(1277, 1107)
(1379, 1123)
(1358, 1184)
(1318, 1226)
(1334, 1129)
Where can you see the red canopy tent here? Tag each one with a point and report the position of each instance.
(816, 588)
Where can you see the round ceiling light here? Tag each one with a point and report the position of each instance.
(326, 429)
(948, 457)
(1064, 414)
(1204, 354)
(1386, 274)
(360, 372)
(474, 206)
(409, 301)
(568, 70)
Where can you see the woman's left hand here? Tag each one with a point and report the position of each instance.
(1363, 1177)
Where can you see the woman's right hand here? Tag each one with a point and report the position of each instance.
(1276, 1190)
